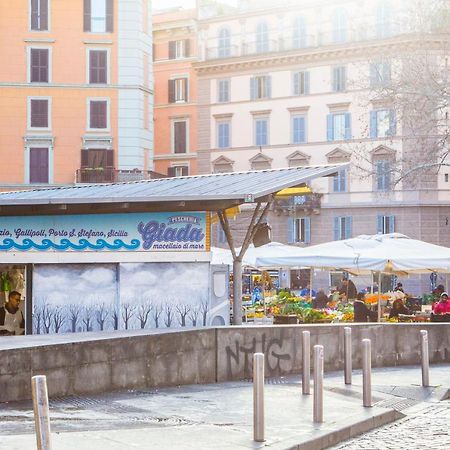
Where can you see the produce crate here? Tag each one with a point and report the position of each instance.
(281, 319)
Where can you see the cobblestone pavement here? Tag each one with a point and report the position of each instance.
(425, 428)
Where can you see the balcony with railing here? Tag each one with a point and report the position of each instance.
(298, 204)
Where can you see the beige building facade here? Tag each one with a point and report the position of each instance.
(299, 85)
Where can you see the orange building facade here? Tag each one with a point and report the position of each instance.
(76, 91)
(175, 111)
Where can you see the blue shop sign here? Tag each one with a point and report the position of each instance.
(113, 232)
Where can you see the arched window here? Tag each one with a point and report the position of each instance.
(299, 33)
(224, 43)
(262, 37)
(339, 25)
(383, 20)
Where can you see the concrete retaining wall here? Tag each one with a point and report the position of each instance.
(94, 363)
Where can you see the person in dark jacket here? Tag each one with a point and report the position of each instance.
(11, 317)
(398, 308)
(348, 289)
(321, 300)
(361, 311)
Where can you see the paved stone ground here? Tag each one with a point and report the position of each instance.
(425, 427)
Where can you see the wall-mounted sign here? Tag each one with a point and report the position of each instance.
(127, 232)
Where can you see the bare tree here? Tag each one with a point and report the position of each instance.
(168, 319)
(193, 315)
(128, 311)
(418, 98)
(204, 309)
(59, 317)
(156, 314)
(46, 317)
(143, 312)
(37, 318)
(88, 320)
(183, 311)
(74, 315)
(101, 315)
(115, 318)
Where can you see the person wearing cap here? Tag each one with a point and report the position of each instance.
(443, 306)
(11, 317)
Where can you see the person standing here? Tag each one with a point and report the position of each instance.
(348, 289)
(11, 317)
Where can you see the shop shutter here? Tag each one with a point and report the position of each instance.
(306, 81)
(392, 123)
(171, 91)
(87, 16)
(291, 230)
(330, 131)
(307, 225)
(336, 228)
(380, 220)
(348, 126)
(253, 88)
(109, 16)
(172, 49)
(186, 89)
(348, 227)
(43, 22)
(35, 14)
(391, 224)
(84, 158)
(373, 124)
(187, 48)
(38, 165)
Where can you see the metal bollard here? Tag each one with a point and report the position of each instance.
(41, 412)
(367, 372)
(258, 397)
(318, 384)
(348, 355)
(306, 363)
(425, 358)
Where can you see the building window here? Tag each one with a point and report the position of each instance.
(298, 129)
(98, 16)
(179, 141)
(339, 127)
(97, 166)
(223, 134)
(339, 26)
(98, 66)
(38, 113)
(299, 230)
(380, 74)
(260, 87)
(39, 166)
(342, 228)
(383, 20)
(39, 65)
(178, 90)
(261, 132)
(299, 33)
(39, 15)
(223, 91)
(446, 177)
(383, 174)
(179, 49)
(98, 115)
(224, 43)
(262, 37)
(339, 79)
(340, 181)
(178, 171)
(301, 83)
(385, 224)
(382, 123)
